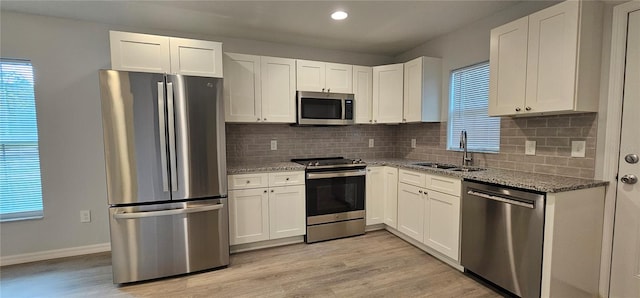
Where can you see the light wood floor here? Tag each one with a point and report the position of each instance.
(377, 264)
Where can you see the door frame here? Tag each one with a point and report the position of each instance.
(611, 156)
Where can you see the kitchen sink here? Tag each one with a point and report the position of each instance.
(435, 165)
(467, 169)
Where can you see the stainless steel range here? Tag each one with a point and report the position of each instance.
(335, 194)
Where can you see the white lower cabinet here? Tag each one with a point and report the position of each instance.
(429, 211)
(382, 196)
(266, 213)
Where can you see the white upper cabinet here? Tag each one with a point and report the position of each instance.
(324, 77)
(388, 89)
(196, 57)
(422, 84)
(548, 62)
(259, 89)
(362, 90)
(163, 54)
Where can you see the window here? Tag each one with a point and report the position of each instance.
(468, 110)
(20, 185)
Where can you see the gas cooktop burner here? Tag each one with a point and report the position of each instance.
(329, 162)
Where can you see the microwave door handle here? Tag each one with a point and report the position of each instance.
(162, 136)
(344, 107)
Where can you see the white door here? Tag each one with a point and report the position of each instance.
(551, 58)
(339, 78)
(196, 57)
(375, 195)
(278, 90)
(287, 211)
(391, 197)
(411, 211)
(362, 88)
(625, 267)
(388, 90)
(442, 223)
(508, 68)
(310, 75)
(242, 94)
(248, 215)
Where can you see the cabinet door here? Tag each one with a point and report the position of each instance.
(391, 197)
(411, 211)
(287, 211)
(278, 90)
(508, 68)
(339, 78)
(242, 89)
(388, 91)
(310, 75)
(248, 215)
(552, 58)
(442, 223)
(139, 52)
(196, 57)
(362, 88)
(412, 103)
(375, 191)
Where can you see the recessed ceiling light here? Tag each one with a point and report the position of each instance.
(339, 15)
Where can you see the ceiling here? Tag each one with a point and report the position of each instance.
(373, 27)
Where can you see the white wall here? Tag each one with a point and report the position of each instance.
(66, 56)
(468, 45)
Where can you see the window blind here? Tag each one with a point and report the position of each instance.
(20, 182)
(468, 110)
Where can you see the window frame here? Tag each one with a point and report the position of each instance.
(26, 146)
(451, 135)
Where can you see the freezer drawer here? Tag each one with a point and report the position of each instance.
(153, 241)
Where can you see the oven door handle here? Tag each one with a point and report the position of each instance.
(336, 174)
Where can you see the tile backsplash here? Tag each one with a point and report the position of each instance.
(553, 135)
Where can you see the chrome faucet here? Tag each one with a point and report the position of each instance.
(466, 158)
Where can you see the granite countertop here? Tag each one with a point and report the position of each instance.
(524, 180)
(284, 166)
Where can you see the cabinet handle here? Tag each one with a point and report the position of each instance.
(287, 179)
(370, 120)
(265, 191)
(258, 119)
(248, 181)
(272, 190)
(420, 191)
(404, 120)
(322, 89)
(517, 109)
(329, 90)
(528, 108)
(376, 121)
(265, 119)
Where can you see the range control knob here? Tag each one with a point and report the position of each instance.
(357, 160)
(310, 164)
(316, 164)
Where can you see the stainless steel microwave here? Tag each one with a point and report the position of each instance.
(323, 108)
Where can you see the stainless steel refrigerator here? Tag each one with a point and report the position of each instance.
(164, 145)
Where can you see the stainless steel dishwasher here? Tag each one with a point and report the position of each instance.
(502, 232)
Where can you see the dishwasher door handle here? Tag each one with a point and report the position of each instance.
(500, 199)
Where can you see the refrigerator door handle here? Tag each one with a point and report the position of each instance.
(145, 214)
(172, 137)
(161, 132)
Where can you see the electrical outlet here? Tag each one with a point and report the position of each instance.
(413, 143)
(370, 143)
(578, 148)
(274, 144)
(85, 215)
(530, 147)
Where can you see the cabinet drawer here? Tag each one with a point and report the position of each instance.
(246, 181)
(286, 178)
(443, 184)
(413, 178)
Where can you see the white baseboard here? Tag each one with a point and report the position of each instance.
(54, 254)
(266, 244)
